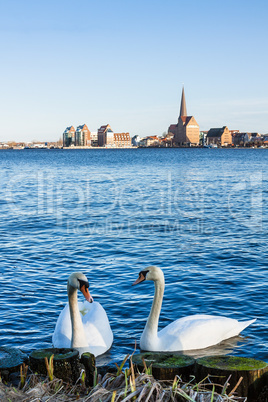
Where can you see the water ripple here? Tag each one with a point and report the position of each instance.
(201, 216)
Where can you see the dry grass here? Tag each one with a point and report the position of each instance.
(125, 385)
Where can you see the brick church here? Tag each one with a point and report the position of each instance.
(186, 131)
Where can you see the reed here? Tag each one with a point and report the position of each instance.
(125, 385)
(23, 375)
(49, 367)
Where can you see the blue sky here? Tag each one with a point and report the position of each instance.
(124, 62)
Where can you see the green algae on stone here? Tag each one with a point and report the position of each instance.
(175, 361)
(252, 372)
(89, 362)
(164, 365)
(59, 353)
(232, 363)
(66, 362)
(162, 359)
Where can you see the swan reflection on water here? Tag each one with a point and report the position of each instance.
(224, 348)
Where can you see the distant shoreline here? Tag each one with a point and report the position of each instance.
(52, 148)
(117, 148)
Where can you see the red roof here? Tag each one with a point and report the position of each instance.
(102, 129)
(186, 119)
(121, 136)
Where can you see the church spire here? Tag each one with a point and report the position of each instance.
(183, 111)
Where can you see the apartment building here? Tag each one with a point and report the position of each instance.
(219, 136)
(122, 140)
(82, 136)
(105, 136)
(69, 136)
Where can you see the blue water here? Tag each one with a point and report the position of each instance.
(199, 214)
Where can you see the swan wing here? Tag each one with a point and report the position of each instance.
(63, 331)
(97, 327)
(198, 332)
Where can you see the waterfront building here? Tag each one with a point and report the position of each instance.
(105, 136)
(166, 140)
(82, 136)
(122, 140)
(3, 145)
(152, 141)
(172, 129)
(94, 138)
(135, 141)
(143, 142)
(239, 139)
(203, 137)
(234, 132)
(69, 136)
(219, 136)
(186, 131)
(255, 139)
(265, 141)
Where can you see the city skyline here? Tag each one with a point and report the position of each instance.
(124, 63)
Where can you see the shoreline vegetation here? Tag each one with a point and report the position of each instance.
(117, 387)
(122, 383)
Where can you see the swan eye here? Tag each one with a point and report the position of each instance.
(83, 283)
(143, 273)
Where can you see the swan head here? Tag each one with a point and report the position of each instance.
(150, 274)
(79, 281)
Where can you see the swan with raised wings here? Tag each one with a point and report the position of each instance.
(82, 325)
(188, 333)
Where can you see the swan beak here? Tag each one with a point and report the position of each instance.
(86, 294)
(140, 279)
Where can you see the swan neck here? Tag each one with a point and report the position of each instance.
(76, 320)
(153, 319)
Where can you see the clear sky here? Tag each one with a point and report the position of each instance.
(123, 62)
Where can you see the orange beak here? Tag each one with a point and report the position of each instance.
(86, 294)
(140, 279)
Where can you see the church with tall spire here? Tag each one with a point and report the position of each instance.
(186, 131)
(183, 111)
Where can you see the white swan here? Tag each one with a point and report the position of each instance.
(82, 325)
(187, 333)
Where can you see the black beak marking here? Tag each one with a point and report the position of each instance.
(83, 283)
(144, 273)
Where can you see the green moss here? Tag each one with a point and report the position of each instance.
(88, 355)
(58, 353)
(167, 360)
(176, 361)
(170, 360)
(232, 363)
(63, 356)
(39, 354)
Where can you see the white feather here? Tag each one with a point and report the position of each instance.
(188, 333)
(94, 333)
